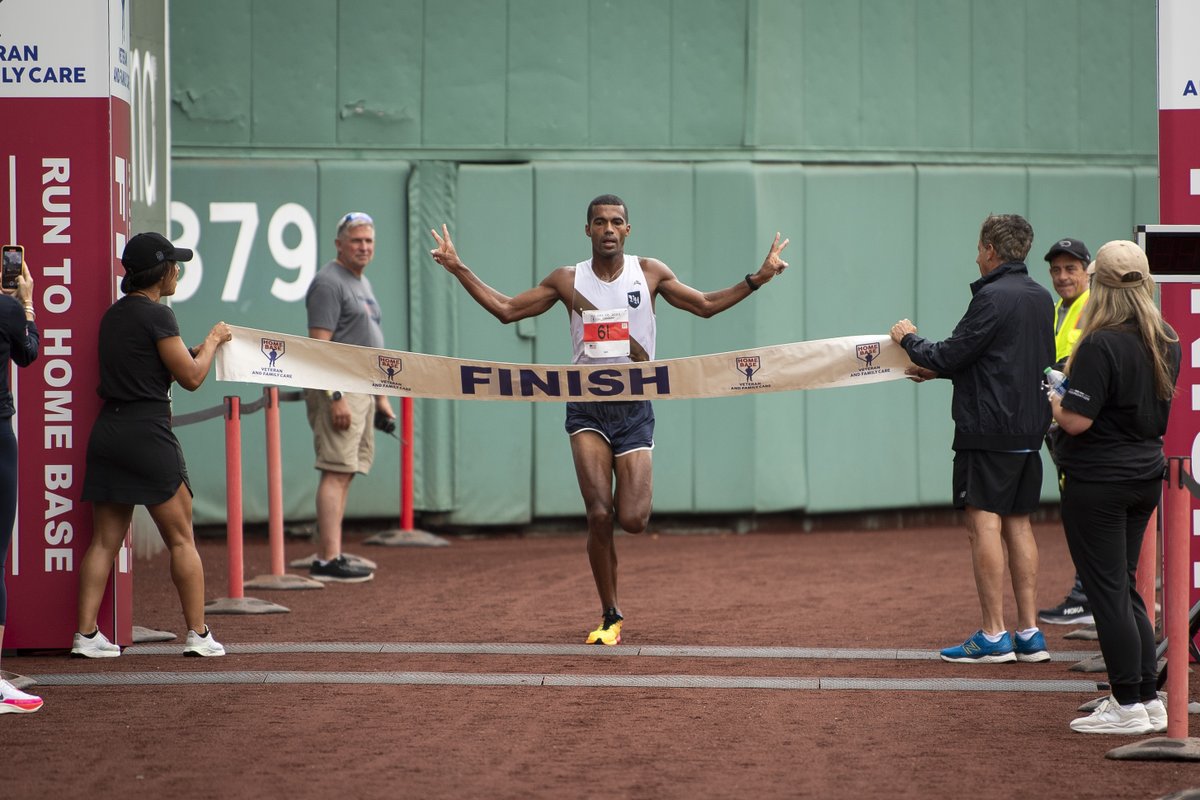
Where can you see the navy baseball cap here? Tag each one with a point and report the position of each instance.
(1072, 247)
(148, 250)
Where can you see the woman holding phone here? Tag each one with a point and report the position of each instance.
(19, 341)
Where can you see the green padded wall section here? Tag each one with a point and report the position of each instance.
(629, 96)
(493, 457)
(858, 282)
(291, 82)
(379, 72)
(941, 78)
(212, 47)
(781, 479)
(547, 69)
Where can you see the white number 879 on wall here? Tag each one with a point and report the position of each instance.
(301, 257)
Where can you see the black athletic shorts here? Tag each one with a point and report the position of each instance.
(1003, 483)
(626, 425)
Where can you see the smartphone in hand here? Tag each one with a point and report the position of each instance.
(14, 258)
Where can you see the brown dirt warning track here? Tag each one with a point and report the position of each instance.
(827, 688)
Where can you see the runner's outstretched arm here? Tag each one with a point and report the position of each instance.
(706, 304)
(507, 309)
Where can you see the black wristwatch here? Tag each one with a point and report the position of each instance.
(335, 396)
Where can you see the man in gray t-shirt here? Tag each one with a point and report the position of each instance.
(342, 308)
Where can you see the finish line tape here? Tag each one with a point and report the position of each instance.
(281, 359)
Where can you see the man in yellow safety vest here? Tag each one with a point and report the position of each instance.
(1069, 259)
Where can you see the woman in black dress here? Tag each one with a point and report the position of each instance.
(19, 341)
(1121, 378)
(133, 457)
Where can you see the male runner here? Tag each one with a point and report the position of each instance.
(610, 299)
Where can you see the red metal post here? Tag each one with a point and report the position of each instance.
(274, 479)
(1177, 547)
(233, 493)
(406, 464)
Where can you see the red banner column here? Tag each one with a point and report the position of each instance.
(1179, 205)
(64, 165)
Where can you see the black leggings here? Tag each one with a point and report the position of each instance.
(1104, 524)
(8, 502)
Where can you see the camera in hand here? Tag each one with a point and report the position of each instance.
(14, 258)
(385, 423)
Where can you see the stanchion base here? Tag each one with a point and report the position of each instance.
(1093, 664)
(1159, 748)
(146, 635)
(306, 562)
(19, 681)
(1087, 632)
(243, 605)
(413, 538)
(281, 582)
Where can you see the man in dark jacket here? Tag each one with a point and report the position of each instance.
(995, 358)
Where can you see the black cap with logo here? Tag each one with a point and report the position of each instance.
(1072, 247)
(147, 250)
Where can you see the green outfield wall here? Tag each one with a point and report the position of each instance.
(875, 134)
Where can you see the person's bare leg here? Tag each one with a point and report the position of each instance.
(987, 559)
(635, 490)
(110, 522)
(332, 491)
(594, 470)
(174, 521)
(1023, 566)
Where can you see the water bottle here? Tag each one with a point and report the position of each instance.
(1056, 381)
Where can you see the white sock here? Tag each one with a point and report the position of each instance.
(1027, 634)
(994, 637)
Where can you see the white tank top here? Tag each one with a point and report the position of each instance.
(612, 322)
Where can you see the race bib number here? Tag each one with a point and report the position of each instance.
(606, 333)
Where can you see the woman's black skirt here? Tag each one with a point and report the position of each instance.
(133, 456)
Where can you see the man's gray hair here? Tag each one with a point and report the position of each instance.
(1010, 234)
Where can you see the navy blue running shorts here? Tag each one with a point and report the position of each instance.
(626, 425)
(1002, 483)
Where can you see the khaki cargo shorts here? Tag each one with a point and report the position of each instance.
(351, 450)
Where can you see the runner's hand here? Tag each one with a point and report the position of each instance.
(444, 253)
(772, 265)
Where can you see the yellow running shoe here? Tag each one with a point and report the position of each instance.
(609, 632)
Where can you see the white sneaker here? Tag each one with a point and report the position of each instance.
(1157, 712)
(1111, 717)
(94, 646)
(14, 701)
(206, 645)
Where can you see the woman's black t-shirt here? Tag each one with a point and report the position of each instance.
(1112, 383)
(130, 367)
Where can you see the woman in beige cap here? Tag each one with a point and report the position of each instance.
(1121, 377)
